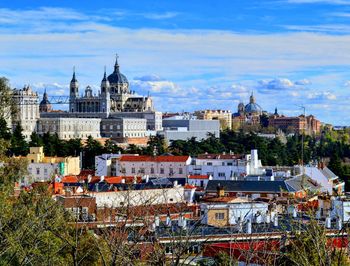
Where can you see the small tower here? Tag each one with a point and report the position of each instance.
(252, 98)
(74, 92)
(276, 112)
(105, 95)
(45, 105)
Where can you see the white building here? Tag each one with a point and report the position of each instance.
(124, 128)
(184, 128)
(226, 166)
(68, 128)
(27, 102)
(104, 165)
(154, 166)
(145, 197)
(325, 177)
(233, 211)
(199, 180)
(341, 209)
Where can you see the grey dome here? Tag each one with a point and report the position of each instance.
(116, 77)
(252, 108)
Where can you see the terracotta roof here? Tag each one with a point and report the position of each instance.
(145, 158)
(198, 177)
(113, 180)
(188, 186)
(70, 179)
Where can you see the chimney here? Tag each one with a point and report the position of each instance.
(220, 191)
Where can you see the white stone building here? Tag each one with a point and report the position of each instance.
(68, 128)
(28, 110)
(124, 128)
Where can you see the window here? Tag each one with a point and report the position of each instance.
(111, 127)
(45, 171)
(133, 170)
(180, 171)
(230, 164)
(209, 163)
(38, 171)
(162, 170)
(142, 170)
(171, 171)
(152, 170)
(222, 174)
(219, 216)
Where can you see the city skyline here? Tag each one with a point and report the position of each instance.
(187, 55)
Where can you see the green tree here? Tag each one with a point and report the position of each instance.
(91, 149)
(335, 165)
(18, 144)
(35, 140)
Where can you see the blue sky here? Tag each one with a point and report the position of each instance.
(189, 55)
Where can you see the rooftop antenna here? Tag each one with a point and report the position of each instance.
(302, 146)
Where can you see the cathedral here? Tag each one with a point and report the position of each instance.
(114, 96)
(249, 113)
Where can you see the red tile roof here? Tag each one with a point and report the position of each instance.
(198, 176)
(145, 158)
(113, 180)
(70, 179)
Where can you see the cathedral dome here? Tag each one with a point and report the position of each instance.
(116, 77)
(252, 106)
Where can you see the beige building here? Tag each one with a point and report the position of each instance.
(224, 116)
(44, 168)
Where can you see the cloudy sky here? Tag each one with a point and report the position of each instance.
(188, 55)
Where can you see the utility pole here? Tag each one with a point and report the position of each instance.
(302, 146)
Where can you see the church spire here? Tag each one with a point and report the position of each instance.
(252, 98)
(116, 65)
(104, 75)
(74, 78)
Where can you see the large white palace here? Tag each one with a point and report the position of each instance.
(116, 111)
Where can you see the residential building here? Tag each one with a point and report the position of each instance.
(226, 166)
(224, 116)
(328, 181)
(154, 166)
(226, 211)
(141, 197)
(105, 164)
(252, 189)
(44, 168)
(199, 180)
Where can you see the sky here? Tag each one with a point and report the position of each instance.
(188, 55)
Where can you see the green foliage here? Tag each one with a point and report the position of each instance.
(18, 144)
(310, 247)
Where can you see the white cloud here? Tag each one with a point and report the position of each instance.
(302, 82)
(157, 16)
(326, 95)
